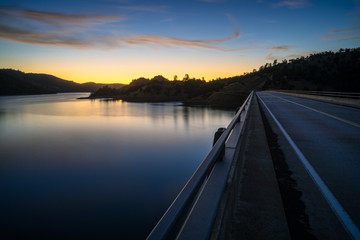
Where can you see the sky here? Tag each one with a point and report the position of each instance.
(116, 41)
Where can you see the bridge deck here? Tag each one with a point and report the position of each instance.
(254, 209)
(273, 195)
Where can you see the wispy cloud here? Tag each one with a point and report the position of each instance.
(283, 48)
(59, 38)
(49, 28)
(281, 52)
(345, 30)
(342, 38)
(178, 42)
(272, 56)
(292, 4)
(346, 34)
(232, 19)
(57, 19)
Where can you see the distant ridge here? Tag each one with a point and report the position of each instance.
(14, 82)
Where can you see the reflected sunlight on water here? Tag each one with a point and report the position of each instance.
(96, 169)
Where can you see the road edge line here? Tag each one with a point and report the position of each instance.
(323, 113)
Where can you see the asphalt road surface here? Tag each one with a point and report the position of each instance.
(325, 139)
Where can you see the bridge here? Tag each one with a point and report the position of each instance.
(286, 167)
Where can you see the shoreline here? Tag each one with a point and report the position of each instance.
(163, 100)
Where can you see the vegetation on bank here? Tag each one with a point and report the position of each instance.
(334, 71)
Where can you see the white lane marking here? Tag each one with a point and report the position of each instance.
(318, 111)
(343, 216)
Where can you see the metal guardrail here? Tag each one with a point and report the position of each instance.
(193, 212)
(351, 95)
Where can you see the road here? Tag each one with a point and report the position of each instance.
(325, 141)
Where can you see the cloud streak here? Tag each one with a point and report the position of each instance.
(283, 48)
(345, 30)
(178, 42)
(61, 38)
(341, 35)
(59, 19)
(56, 19)
(44, 38)
(63, 30)
(272, 56)
(292, 4)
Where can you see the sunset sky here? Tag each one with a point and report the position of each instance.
(120, 40)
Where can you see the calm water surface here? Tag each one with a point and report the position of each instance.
(82, 169)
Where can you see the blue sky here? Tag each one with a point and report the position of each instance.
(120, 40)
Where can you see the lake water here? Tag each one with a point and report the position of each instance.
(91, 169)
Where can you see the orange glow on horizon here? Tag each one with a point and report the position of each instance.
(127, 65)
(127, 78)
(101, 75)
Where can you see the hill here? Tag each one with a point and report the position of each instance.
(229, 92)
(13, 82)
(159, 89)
(335, 71)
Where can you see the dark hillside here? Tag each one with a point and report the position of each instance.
(14, 82)
(17, 83)
(335, 71)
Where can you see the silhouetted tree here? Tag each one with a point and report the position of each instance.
(187, 77)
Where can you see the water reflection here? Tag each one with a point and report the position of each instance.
(95, 169)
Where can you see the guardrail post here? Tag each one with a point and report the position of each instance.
(218, 134)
